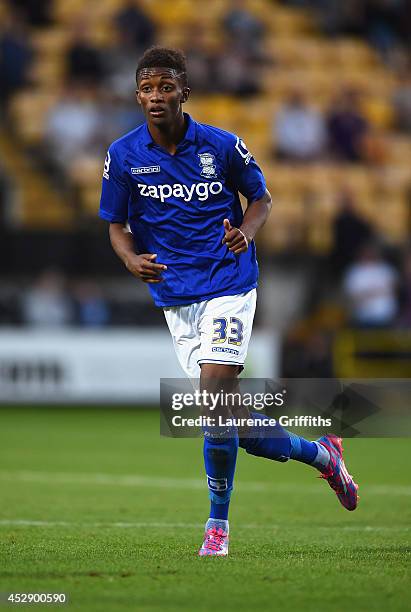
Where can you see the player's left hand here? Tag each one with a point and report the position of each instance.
(234, 238)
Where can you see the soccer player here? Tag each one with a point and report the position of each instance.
(175, 183)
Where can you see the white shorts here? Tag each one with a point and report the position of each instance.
(212, 331)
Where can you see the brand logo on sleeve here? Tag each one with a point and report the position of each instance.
(243, 151)
(106, 169)
(145, 170)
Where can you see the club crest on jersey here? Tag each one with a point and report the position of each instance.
(207, 164)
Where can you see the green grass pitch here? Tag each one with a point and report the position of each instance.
(94, 503)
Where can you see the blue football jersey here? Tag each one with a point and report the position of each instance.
(175, 206)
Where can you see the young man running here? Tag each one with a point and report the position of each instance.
(176, 183)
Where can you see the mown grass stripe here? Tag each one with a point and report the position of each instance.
(160, 482)
(166, 525)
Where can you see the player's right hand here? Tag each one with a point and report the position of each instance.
(144, 268)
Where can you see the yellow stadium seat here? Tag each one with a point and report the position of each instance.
(28, 111)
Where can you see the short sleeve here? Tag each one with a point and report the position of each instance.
(245, 174)
(114, 192)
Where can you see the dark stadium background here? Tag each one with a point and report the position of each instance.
(320, 91)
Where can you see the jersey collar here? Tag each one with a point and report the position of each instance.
(190, 135)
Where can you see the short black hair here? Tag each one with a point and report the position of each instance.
(163, 57)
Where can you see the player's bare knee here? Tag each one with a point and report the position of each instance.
(217, 371)
(216, 378)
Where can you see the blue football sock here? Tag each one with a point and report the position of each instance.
(219, 511)
(276, 443)
(220, 455)
(311, 453)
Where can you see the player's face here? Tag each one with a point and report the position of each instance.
(161, 97)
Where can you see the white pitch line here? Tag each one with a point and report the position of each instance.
(121, 480)
(158, 482)
(164, 525)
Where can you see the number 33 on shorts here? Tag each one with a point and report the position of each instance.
(231, 330)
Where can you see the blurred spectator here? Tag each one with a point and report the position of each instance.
(120, 60)
(306, 352)
(383, 18)
(317, 356)
(404, 23)
(350, 230)
(36, 12)
(299, 131)
(243, 28)
(347, 127)
(92, 308)
(402, 102)
(370, 285)
(10, 310)
(235, 73)
(350, 17)
(136, 28)
(84, 60)
(338, 17)
(73, 125)
(199, 60)
(385, 23)
(47, 303)
(16, 55)
(118, 116)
